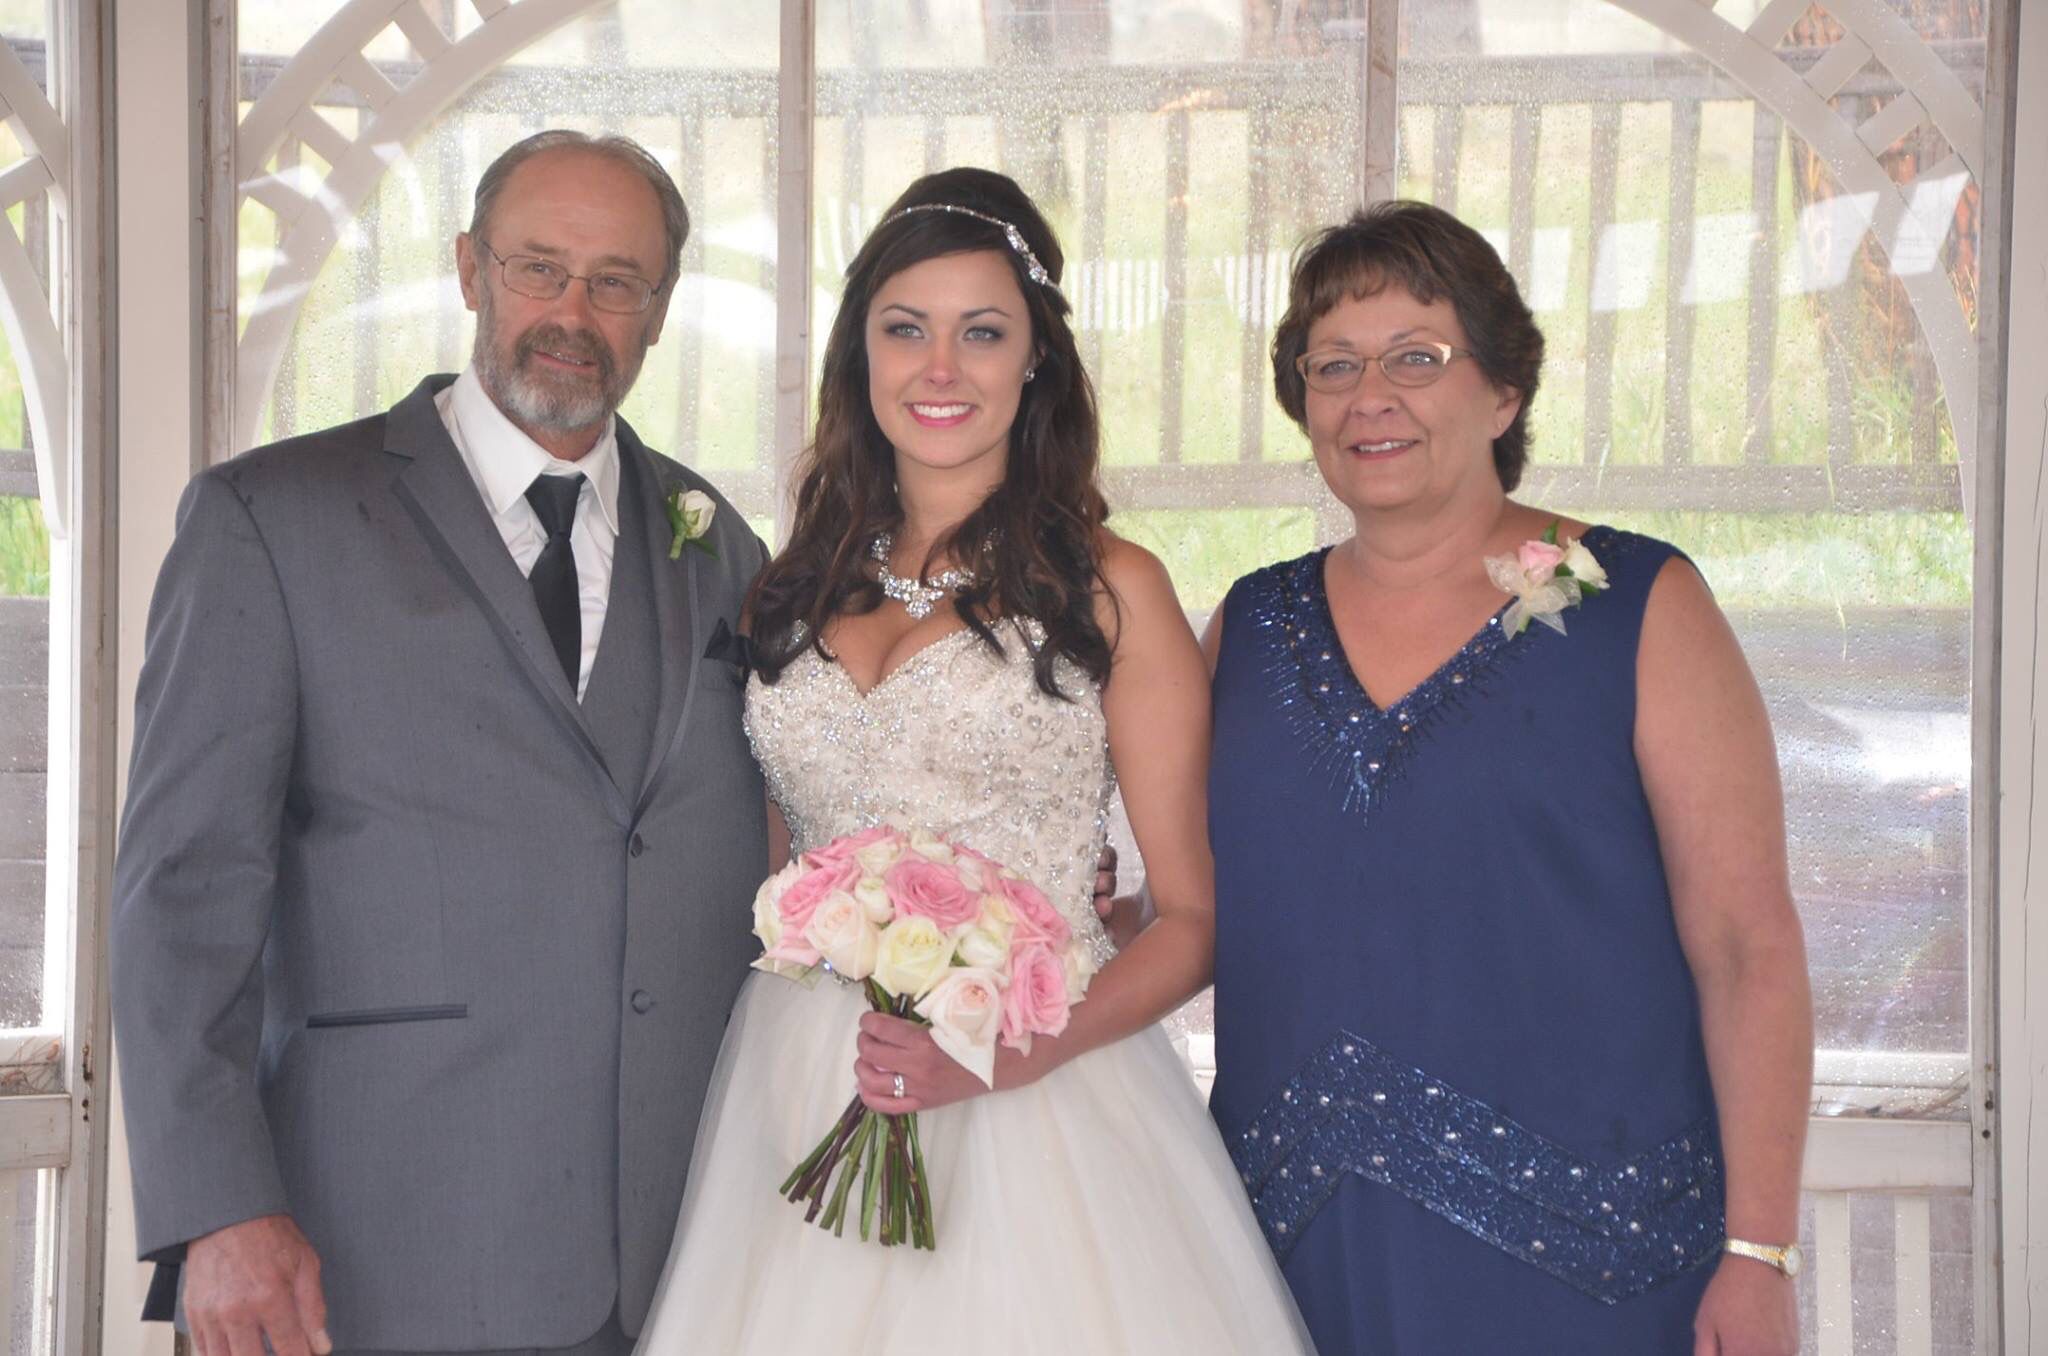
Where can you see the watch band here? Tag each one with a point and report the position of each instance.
(1787, 1260)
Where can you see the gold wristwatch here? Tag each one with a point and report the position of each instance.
(1788, 1260)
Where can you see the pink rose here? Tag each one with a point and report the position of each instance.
(803, 896)
(1539, 560)
(1035, 1003)
(842, 849)
(924, 889)
(1037, 919)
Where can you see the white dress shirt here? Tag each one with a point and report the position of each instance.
(503, 461)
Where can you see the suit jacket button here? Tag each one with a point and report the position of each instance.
(637, 846)
(642, 1000)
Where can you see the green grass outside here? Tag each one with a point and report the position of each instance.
(24, 549)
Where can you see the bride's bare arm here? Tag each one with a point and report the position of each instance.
(1157, 704)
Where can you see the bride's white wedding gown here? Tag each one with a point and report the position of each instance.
(1093, 1211)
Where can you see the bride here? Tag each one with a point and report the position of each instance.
(952, 641)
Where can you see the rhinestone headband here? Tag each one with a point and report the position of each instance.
(1032, 267)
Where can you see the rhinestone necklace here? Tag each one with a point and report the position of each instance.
(918, 598)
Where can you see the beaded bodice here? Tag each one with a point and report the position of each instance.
(958, 740)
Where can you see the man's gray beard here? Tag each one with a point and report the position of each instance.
(534, 404)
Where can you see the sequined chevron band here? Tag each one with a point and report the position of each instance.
(1611, 1230)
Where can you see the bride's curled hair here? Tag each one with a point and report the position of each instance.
(1033, 543)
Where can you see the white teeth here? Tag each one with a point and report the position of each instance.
(1387, 446)
(941, 411)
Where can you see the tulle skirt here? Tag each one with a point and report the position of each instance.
(1094, 1211)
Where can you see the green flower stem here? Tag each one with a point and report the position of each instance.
(921, 1202)
(835, 1216)
(867, 1178)
(805, 1168)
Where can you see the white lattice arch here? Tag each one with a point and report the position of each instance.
(310, 223)
(25, 306)
(1930, 94)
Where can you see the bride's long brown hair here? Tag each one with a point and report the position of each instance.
(1033, 543)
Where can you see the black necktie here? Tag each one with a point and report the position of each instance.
(554, 571)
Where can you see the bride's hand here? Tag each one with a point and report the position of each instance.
(890, 1046)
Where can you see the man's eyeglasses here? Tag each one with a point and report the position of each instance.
(1336, 371)
(543, 279)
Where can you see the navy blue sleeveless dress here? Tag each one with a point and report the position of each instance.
(1458, 1047)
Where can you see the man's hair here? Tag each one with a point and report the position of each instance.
(675, 217)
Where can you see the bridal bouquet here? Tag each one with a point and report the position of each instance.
(934, 932)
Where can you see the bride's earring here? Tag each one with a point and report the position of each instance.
(1030, 372)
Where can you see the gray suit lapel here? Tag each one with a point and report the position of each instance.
(675, 608)
(437, 490)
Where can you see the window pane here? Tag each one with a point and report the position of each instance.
(1737, 364)
(694, 83)
(24, 604)
(24, 1261)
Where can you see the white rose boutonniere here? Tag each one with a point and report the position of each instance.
(689, 519)
(1545, 579)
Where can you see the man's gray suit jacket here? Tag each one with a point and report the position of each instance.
(408, 943)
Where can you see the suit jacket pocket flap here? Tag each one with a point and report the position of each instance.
(443, 1012)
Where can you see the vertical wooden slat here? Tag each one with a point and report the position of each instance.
(1838, 311)
(686, 318)
(369, 273)
(35, 242)
(1831, 1273)
(1251, 408)
(789, 146)
(934, 142)
(1600, 324)
(284, 394)
(219, 323)
(1446, 139)
(1094, 213)
(1173, 328)
(1765, 141)
(1379, 170)
(775, 371)
(449, 186)
(1678, 313)
(452, 189)
(1522, 149)
(1913, 1260)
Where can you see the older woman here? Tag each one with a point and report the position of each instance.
(1512, 1018)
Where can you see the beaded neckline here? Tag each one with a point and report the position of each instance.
(1359, 744)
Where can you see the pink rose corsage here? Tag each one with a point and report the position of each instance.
(1545, 579)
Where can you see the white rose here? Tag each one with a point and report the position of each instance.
(1081, 967)
(843, 935)
(697, 509)
(1584, 568)
(874, 900)
(966, 1012)
(982, 948)
(913, 957)
(878, 857)
(998, 917)
(768, 918)
(931, 847)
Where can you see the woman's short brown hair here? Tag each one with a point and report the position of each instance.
(1428, 253)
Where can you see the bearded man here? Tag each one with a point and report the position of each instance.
(430, 902)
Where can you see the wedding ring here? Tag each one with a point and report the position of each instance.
(896, 1087)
